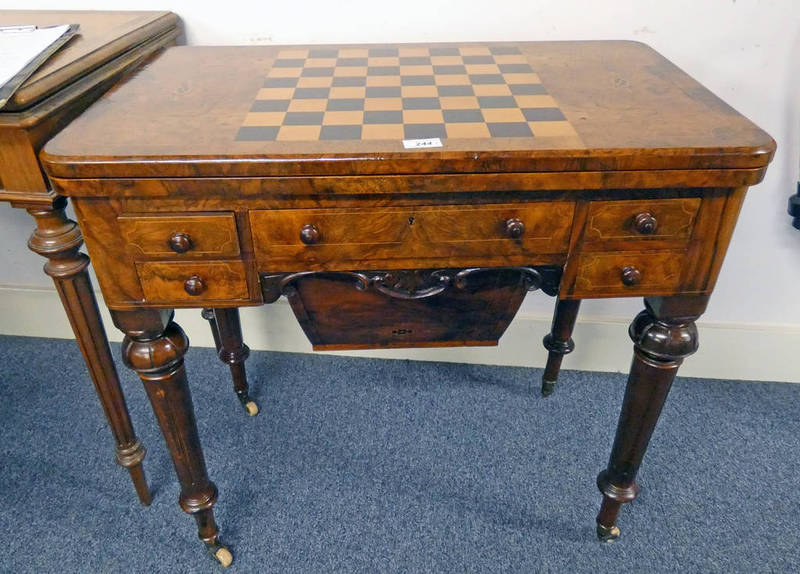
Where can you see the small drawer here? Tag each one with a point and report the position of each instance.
(651, 219)
(499, 234)
(165, 282)
(180, 235)
(615, 274)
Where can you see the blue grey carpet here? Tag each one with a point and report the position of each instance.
(363, 465)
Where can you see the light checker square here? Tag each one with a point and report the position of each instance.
(403, 92)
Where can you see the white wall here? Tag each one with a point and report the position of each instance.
(746, 51)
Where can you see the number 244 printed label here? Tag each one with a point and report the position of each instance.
(423, 143)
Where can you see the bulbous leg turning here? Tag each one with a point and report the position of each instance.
(154, 347)
(663, 335)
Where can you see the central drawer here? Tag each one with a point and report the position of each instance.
(316, 239)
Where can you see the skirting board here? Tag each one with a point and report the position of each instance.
(749, 351)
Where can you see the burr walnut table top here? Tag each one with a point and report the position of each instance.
(333, 110)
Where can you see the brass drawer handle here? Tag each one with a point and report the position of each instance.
(515, 228)
(645, 223)
(194, 286)
(180, 242)
(631, 276)
(309, 234)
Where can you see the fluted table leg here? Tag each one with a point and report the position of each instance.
(154, 347)
(59, 239)
(663, 335)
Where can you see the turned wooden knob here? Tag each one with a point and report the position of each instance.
(645, 223)
(194, 286)
(631, 276)
(309, 234)
(180, 242)
(515, 228)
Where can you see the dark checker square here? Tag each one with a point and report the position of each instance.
(504, 50)
(317, 72)
(543, 114)
(421, 104)
(289, 63)
(423, 131)
(455, 91)
(415, 61)
(310, 93)
(441, 51)
(487, 79)
(349, 62)
(349, 82)
(257, 134)
(303, 118)
(510, 130)
(383, 71)
(383, 52)
(270, 105)
(280, 82)
(417, 80)
(340, 133)
(383, 117)
(527, 89)
(345, 105)
(478, 60)
(515, 69)
(323, 53)
(497, 102)
(383, 91)
(462, 116)
(452, 69)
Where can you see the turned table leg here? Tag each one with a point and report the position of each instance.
(58, 239)
(663, 335)
(227, 331)
(559, 341)
(154, 347)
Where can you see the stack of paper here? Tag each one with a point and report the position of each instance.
(23, 49)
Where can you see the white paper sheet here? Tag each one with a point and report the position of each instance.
(20, 45)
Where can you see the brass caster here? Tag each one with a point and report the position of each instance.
(548, 387)
(607, 533)
(221, 554)
(251, 407)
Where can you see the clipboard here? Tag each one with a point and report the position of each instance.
(36, 59)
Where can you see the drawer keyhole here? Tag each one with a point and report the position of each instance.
(411, 220)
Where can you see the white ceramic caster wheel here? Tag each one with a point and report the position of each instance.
(252, 408)
(607, 533)
(223, 556)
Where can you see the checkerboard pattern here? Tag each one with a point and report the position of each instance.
(396, 93)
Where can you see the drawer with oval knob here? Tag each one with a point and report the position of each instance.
(621, 273)
(311, 239)
(657, 220)
(205, 235)
(184, 282)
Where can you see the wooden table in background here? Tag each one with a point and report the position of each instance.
(225, 177)
(108, 45)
